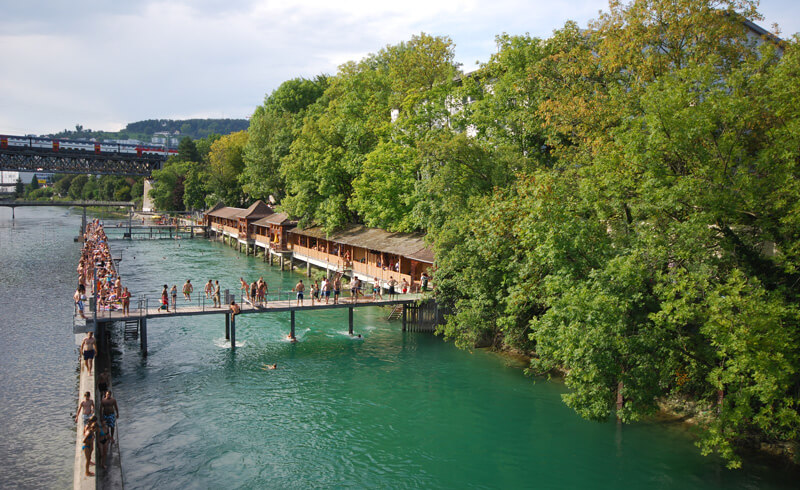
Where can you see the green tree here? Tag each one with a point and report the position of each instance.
(187, 150)
(76, 187)
(225, 165)
(33, 185)
(272, 129)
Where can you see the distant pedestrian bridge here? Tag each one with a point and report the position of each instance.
(34, 154)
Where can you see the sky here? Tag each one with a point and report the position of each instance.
(105, 63)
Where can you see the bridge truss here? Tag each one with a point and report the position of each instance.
(77, 162)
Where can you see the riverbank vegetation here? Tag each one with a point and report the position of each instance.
(77, 187)
(620, 201)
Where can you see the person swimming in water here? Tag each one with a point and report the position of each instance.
(270, 367)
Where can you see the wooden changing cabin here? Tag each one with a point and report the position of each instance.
(366, 253)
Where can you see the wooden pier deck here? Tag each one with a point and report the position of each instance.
(139, 315)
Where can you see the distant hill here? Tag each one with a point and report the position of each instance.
(144, 130)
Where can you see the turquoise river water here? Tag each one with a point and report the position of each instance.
(394, 410)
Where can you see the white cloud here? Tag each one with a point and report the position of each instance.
(98, 63)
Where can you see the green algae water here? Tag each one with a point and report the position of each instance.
(394, 410)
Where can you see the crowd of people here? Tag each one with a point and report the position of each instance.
(98, 431)
(96, 272)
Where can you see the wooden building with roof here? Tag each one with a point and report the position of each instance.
(356, 251)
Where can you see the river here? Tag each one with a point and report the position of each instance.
(397, 410)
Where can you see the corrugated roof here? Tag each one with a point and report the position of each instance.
(411, 245)
(227, 212)
(257, 210)
(273, 219)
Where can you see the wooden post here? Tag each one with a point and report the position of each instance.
(233, 332)
(291, 335)
(227, 326)
(350, 317)
(308, 267)
(269, 253)
(143, 335)
(405, 314)
(281, 262)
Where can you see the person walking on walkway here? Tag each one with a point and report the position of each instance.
(85, 407)
(174, 294)
(88, 443)
(89, 350)
(110, 411)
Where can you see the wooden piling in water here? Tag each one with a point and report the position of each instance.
(227, 326)
(291, 335)
(233, 332)
(350, 320)
(143, 335)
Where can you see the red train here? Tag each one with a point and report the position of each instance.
(20, 142)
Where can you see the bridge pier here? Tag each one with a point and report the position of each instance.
(350, 317)
(233, 332)
(143, 335)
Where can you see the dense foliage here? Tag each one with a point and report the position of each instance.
(622, 202)
(144, 130)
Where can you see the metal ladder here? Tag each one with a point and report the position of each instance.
(131, 330)
(397, 312)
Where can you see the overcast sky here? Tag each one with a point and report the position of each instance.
(105, 63)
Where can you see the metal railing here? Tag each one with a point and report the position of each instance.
(200, 302)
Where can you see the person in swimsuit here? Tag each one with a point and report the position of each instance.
(217, 301)
(110, 411)
(392, 284)
(337, 289)
(102, 381)
(254, 293)
(85, 407)
(88, 349)
(126, 301)
(88, 444)
(164, 299)
(209, 289)
(174, 293)
(187, 290)
(244, 287)
(299, 288)
(78, 297)
(104, 440)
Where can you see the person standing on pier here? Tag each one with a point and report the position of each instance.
(174, 293)
(253, 293)
(326, 289)
(88, 350)
(392, 286)
(126, 301)
(262, 291)
(165, 299)
(299, 288)
(217, 301)
(209, 289)
(187, 290)
(244, 288)
(337, 288)
(79, 296)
